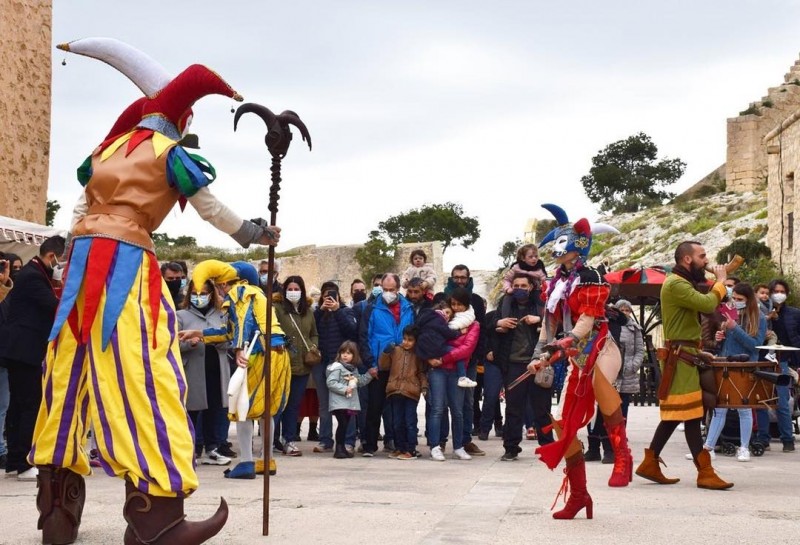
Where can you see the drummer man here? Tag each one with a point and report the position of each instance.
(679, 392)
(785, 321)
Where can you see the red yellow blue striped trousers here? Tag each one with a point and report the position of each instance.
(130, 385)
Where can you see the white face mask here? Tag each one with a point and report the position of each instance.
(740, 305)
(389, 297)
(293, 296)
(778, 298)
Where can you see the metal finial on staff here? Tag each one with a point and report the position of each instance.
(277, 140)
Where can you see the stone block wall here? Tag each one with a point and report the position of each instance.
(746, 165)
(783, 218)
(317, 264)
(25, 57)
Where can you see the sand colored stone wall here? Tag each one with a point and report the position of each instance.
(783, 235)
(317, 264)
(25, 36)
(746, 166)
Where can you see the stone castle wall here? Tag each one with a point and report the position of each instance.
(317, 264)
(783, 218)
(25, 57)
(746, 166)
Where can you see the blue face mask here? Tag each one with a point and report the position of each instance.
(183, 283)
(200, 301)
(729, 289)
(376, 291)
(740, 305)
(263, 279)
(521, 295)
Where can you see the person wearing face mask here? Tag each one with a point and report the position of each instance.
(516, 324)
(31, 307)
(740, 336)
(382, 324)
(207, 372)
(172, 273)
(785, 321)
(293, 309)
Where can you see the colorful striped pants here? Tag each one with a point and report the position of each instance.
(133, 391)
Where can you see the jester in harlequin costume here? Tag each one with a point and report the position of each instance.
(113, 358)
(246, 306)
(576, 303)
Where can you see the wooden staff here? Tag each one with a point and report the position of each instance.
(277, 140)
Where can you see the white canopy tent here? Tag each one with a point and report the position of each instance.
(24, 238)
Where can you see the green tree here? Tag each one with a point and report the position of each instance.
(162, 239)
(751, 250)
(508, 252)
(376, 256)
(50, 213)
(627, 177)
(444, 222)
(185, 241)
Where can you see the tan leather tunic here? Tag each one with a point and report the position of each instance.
(127, 197)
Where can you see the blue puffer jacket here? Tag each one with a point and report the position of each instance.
(738, 341)
(333, 329)
(378, 328)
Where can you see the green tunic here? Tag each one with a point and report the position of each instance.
(680, 305)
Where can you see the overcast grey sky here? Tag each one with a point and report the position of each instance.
(498, 105)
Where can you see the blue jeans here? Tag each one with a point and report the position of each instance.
(718, 423)
(323, 395)
(4, 398)
(492, 384)
(783, 414)
(469, 401)
(626, 402)
(404, 419)
(286, 420)
(443, 390)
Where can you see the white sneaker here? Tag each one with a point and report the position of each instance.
(681, 427)
(461, 454)
(465, 382)
(711, 454)
(214, 458)
(29, 475)
(438, 455)
(743, 454)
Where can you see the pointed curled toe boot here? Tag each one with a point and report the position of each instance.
(60, 503)
(622, 474)
(649, 469)
(578, 495)
(706, 476)
(156, 520)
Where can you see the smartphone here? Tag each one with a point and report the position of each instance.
(332, 294)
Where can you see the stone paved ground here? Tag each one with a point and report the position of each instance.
(316, 499)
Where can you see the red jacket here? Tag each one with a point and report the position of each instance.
(463, 346)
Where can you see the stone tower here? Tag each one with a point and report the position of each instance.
(746, 167)
(25, 67)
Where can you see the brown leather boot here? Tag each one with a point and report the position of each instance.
(650, 470)
(60, 503)
(155, 520)
(706, 476)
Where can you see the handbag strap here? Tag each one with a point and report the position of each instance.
(302, 337)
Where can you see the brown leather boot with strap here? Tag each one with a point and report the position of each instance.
(706, 476)
(649, 469)
(156, 520)
(60, 503)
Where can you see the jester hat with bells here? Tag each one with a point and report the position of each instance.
(165, 97)
(572, 237)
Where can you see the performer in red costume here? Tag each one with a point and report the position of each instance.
(113, 357)
(576, 304)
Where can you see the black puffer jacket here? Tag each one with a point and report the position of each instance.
(334, 328)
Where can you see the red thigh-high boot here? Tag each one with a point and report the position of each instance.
(578, 495)
(622, 473)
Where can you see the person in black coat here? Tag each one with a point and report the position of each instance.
(23, 344)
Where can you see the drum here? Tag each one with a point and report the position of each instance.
(748, 385)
